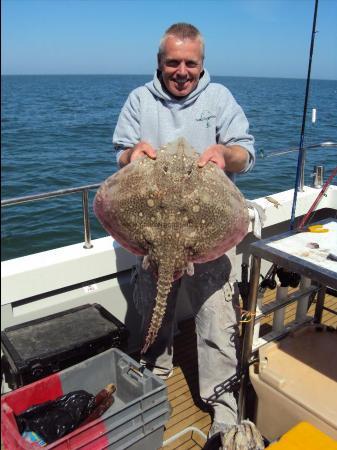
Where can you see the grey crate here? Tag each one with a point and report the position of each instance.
(137, 417)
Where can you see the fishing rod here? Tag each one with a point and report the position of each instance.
(269, 278)
(301, 155)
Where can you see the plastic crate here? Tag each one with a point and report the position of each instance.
(44, 346)
(134, 421)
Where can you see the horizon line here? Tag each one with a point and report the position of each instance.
(151, 75)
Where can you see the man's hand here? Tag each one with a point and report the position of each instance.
(142, 149)
(231, 158)
(138, 151)
(214, 153)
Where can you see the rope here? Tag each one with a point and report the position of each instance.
(245, 316)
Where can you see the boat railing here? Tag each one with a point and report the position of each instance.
(85, 189)
(296, 149)
(59, 193)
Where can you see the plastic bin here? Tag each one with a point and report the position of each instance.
(44, 346)
(134, 421)
(297, 381)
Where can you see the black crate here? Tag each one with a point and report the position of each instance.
(41, 347)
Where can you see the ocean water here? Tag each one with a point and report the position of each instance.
(56, 133)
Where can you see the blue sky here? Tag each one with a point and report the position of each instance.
(243, 37)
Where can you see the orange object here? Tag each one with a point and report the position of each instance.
(304, 436)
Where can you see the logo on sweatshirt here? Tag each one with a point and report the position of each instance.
(206, 116)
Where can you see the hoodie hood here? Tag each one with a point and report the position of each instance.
(156, 88)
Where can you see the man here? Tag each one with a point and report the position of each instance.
(181, 101)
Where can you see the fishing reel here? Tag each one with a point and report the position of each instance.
(286, 278)
(269, 282)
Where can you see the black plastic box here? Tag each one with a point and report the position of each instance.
(41, 347)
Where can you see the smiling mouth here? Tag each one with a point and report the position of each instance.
(181, 83)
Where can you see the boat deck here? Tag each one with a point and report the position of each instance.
(187, 409)
(183, 391)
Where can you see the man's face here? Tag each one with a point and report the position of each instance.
(181, 65)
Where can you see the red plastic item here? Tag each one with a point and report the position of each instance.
(88, 436)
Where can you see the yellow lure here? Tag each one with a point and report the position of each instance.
(317, 229)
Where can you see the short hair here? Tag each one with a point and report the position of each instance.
(183, 31)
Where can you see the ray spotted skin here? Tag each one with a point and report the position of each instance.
(174, 213)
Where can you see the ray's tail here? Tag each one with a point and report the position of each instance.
(165, 279)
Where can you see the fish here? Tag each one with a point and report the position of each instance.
(173, 213)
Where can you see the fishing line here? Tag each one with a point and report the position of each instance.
(301, 154)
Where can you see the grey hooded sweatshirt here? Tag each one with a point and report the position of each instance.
(208, 115)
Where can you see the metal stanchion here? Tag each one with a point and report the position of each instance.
(87, 234)
(249, 332)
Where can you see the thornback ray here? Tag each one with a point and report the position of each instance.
(174, 213)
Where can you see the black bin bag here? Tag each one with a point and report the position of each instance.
(54, 419)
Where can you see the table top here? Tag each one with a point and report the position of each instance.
(307, 253)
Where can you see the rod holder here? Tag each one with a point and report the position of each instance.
(318, 177)
(303, 303)
(279, 314)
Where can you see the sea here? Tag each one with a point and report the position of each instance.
(56, 133)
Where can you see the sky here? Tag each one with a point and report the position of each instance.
(262, 38)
